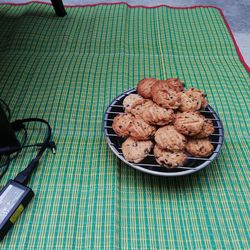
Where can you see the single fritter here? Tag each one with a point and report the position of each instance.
(135, 151)
(140, 130)
(139, 109)
(188, 103)
(165, 96)
(189, 123)
(207, 129)
(198, 96)
(144, 87)
(169, 138)
(175, 84)
(121, 124)
(199, 147)
(131, 101)
(169, 159)
(156, 115)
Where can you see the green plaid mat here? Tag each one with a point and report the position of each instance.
(67, 70)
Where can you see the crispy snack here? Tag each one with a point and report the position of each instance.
(175, 84)
(198, 96)
(121, 124)
(189, 123)
(169, 138)
(188, 103)
(164, 96)
(135, 151)
(169, 159)
(199, 147)
(144, 87)
(156, 115)
(131, 101)
(140, 130)
(207, 129)
(139, 109)
(163, 104)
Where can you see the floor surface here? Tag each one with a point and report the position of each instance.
(236, 12)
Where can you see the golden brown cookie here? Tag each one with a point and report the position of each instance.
(169, 159)
(197, 95)
(144, 87)
(199, 147)
(156, 115)
(207, 129)
(131, 101)
(175, 84)
(135, 151)
(165, 96)
(189, 123)
(139, 109)
(169, 138)
(140, 130)
(121, 124)
(188, 103)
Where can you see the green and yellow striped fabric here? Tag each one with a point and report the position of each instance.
(67, 70)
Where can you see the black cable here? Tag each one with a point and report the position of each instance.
(7, 108)
(33, 145)
(24, 176)
(46, 141)
(24, 142)
(9, 159)
(18, 152)
(18, 124)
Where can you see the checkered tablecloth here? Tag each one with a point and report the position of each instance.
(67, 70)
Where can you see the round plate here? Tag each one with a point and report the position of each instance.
(149, 164)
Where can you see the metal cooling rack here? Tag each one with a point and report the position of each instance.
(149, 164)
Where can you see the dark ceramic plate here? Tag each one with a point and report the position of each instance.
(149, 164)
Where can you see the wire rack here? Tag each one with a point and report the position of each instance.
(149, 164)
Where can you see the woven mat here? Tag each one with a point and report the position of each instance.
(67, 70)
